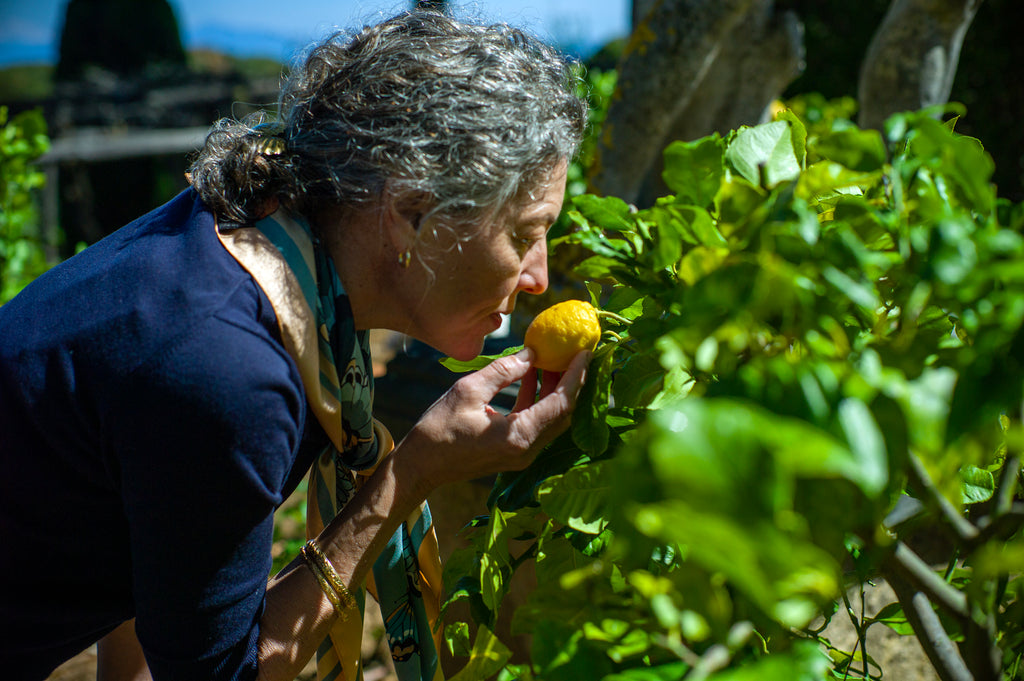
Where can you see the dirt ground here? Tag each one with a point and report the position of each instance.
(900, 657)
(375, 655)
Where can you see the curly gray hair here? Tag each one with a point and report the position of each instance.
(421, 107)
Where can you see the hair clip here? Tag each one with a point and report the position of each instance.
(271, 138)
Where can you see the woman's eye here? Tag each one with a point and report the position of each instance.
(525, 242)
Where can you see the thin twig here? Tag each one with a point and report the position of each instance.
(856, 628)
(863, 634)
(962, 527)
(1002, 525)
(715, 658)
(1007, 485)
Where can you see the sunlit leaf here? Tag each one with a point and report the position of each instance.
(578, 497)
(978, 484)
(488, 655)
(764, 154)
(694, 170)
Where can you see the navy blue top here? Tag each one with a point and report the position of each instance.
(150, 423)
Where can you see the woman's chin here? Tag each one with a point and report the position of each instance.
(466, 353)
(463, 349)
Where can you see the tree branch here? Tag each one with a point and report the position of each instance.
(1007, 485)
(906, 565)
(999, 526)
(963, 529)
(930, 634)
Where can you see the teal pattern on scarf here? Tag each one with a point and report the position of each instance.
(396, 570)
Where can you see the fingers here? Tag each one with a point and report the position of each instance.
(549, 382)
(527, 391)
(501, 373)
(574, 377)
(551, 414)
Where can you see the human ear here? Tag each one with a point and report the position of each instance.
(403, 218)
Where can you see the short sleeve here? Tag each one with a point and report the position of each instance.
(209, 440)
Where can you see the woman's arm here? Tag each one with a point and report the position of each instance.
(119, 656)
(461, 437)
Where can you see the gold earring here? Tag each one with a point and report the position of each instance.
(404, 258)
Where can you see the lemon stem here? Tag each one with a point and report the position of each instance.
(604, 314)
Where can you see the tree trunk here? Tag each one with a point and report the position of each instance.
(691, 67)
(640, 10)
(913, 57)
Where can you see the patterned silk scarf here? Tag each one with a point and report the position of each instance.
(315, 319)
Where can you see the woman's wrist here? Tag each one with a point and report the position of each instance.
(414, 479)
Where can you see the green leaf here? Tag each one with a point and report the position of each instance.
(494, 562)
(694, 170)
(515, 489)
(478, 362)
(699, 262)
(857, 292)
(456, 636)
(799, 132)
(486, 658)
(866, 443)
(739, 203)
(557, 556)
(637, 380)
(803, 662)
(859, 150)
(577, 498)
(597, 267)
(609, 212)
(563, 654)
(589, 427)
(460, 563)
(977, 484)
(625, 302)
(997, 559)
(824, 178)
(764, 152)
(672, 671)
(892, 616)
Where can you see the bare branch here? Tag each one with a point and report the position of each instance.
(930, 634)
(908, 566)
(964, 530)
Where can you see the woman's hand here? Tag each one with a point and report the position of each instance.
(462, 437)
(459, 438)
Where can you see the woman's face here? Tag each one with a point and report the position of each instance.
(476, 276)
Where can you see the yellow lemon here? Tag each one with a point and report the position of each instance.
(558, 333)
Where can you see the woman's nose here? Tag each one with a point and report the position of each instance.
(533, 278)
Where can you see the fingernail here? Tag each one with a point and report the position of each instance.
(525, 355)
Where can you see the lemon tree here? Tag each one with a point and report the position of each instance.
(23, 139)
(817, 356)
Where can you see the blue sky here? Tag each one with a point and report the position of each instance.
(29, 29)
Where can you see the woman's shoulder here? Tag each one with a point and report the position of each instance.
(160, 295)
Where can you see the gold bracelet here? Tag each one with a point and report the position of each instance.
(325, 586)
(315, 556)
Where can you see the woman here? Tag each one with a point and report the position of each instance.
(163, 391)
